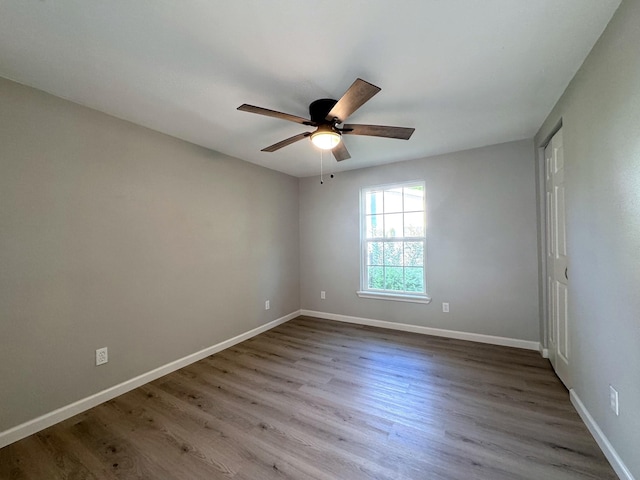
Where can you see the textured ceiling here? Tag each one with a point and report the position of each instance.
(464, 73)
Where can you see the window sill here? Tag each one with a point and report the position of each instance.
(396, 297)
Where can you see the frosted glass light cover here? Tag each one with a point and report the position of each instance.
(325, 140)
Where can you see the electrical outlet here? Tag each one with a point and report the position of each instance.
(613, 400)
(445, 307)
(267, 306)
(323, 295)
(102, 356)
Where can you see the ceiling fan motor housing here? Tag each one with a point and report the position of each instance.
(319, 109)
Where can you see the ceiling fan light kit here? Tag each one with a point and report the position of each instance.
(325, 138)
(326, 114)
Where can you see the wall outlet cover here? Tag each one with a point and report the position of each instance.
(613, 400)
(102, 356)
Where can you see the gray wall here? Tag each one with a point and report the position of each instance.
(481, 242)
(114, 235)
(600, 112)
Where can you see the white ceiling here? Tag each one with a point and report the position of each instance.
(464, 73)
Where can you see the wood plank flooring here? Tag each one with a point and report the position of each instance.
(316, 399)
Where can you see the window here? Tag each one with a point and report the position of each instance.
(393, 239)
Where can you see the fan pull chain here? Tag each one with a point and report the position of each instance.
(331, 169)
(322, 170)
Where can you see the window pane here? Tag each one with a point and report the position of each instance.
(393, 254)
(414, 279)
(414, 254)
(393, 200)
(374, 253)
(375, 276)
(414, 199)
(393, 225)
(414, 224)
(393, 241)
(394, 278)
(373, 202)
(374, 226)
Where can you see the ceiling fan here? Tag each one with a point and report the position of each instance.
(326, 114)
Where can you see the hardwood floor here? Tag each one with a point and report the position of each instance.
(316, 399)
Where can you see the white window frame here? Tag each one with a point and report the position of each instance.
(365, 292)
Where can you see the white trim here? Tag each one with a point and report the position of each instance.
(397, 297)
(438, 332)
(606, 447)
(544, 352)
(40, 423)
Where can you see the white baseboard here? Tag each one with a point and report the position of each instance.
(544, 352)
(603, 442)
(40, 423)
(438, 332)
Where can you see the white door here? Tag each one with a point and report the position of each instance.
(557, 271)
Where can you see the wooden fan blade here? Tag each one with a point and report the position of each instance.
(284, 143)
(272, 113)
(357, 94)
(340, 152)
(403, 133)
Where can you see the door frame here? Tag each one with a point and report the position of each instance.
(541, 198)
